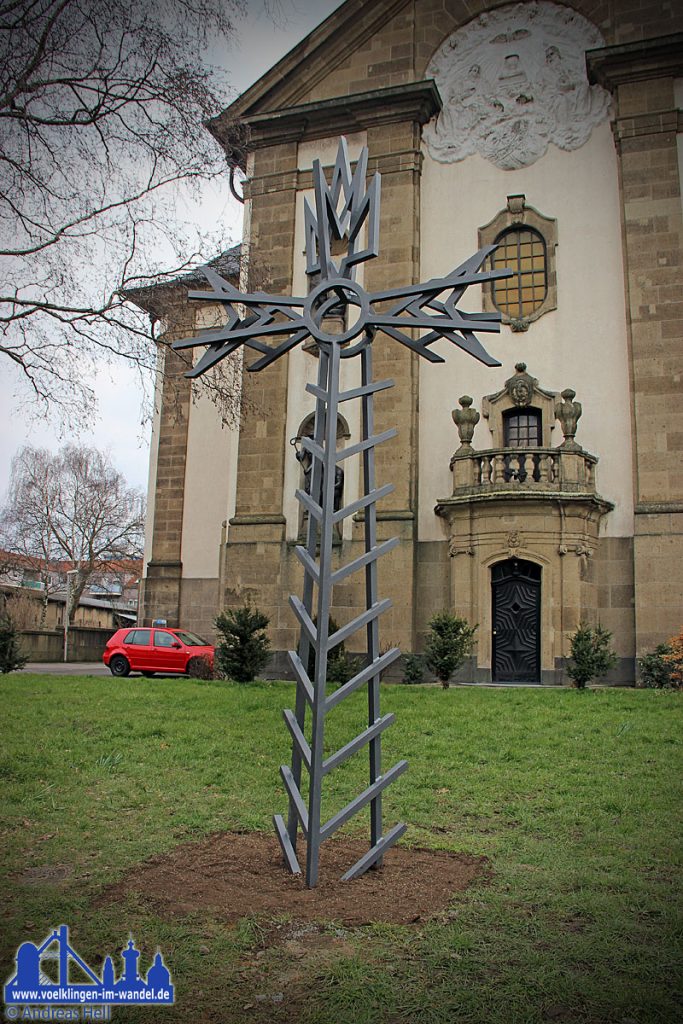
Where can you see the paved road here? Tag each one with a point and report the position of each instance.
(71, 668)
(77, 668)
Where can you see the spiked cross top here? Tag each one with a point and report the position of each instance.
(344, 213)
(342, 210)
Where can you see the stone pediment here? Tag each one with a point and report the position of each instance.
(291, 81)
(521, 391)
(514, 102)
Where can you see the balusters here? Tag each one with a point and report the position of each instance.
(505, 466)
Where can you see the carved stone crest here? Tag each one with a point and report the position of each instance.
(515, 542)
(521, 386)
(514, 80)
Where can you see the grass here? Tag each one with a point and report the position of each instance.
(574, 797)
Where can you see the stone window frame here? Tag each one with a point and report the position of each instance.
(517, 215)
(528, 411)
(494, 407)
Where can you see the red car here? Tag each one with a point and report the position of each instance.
(156, 650)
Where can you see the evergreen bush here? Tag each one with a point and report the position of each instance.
(340, 666)
(200, 667)
(11, 657)
(655, 671)
(591, 654)
(413, 669)
(243, 649)
(448, 643)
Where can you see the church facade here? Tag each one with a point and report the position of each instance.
(529, 497)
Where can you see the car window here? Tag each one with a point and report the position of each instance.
(138, 636)
(191, 639)
(162, 639)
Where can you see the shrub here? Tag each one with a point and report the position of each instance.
(340, 666)
(200, 667)
(244, 647)
(674, 660)
(413, 669)
(591, 654)
(448, 643)
(655, 671)
(11, 657)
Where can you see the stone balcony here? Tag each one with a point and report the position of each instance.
(528, 471)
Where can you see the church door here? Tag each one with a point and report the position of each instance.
(516, 593)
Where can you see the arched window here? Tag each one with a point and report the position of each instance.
(522, 428)
(523, 250)
(526, 241)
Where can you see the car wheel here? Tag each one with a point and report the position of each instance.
(118, 666)
(149, 674)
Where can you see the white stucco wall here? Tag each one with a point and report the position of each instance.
(582, 344)
(210, 479)
(153, 459)
(303, 366)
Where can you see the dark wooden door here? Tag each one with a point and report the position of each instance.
(516, 586)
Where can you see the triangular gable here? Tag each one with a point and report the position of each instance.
(291, 80)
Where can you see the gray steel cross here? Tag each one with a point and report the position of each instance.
(348, 213)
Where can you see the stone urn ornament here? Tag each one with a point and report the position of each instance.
(568, 412)
(465, 420)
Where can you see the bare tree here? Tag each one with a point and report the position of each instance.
(26, 532)
(77, 508)
(102, 111)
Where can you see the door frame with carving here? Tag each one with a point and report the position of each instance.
(517, 581)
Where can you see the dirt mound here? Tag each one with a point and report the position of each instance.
(238, 874)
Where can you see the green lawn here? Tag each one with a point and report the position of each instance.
(574, 797)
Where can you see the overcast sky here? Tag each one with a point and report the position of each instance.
(260, 41)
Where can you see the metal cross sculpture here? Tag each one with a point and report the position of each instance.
(344, 212)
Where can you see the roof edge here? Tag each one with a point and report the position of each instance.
(659, 57)
(417, 101)
(353, 21)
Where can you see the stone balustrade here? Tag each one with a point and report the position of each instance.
(515, 470)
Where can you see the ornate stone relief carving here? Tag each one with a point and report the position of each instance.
(521, 387)
(458, 547)
(515, 540)
(520, 391)
(512, 81)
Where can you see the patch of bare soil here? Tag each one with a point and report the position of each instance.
(239, 874)
(46, 874)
